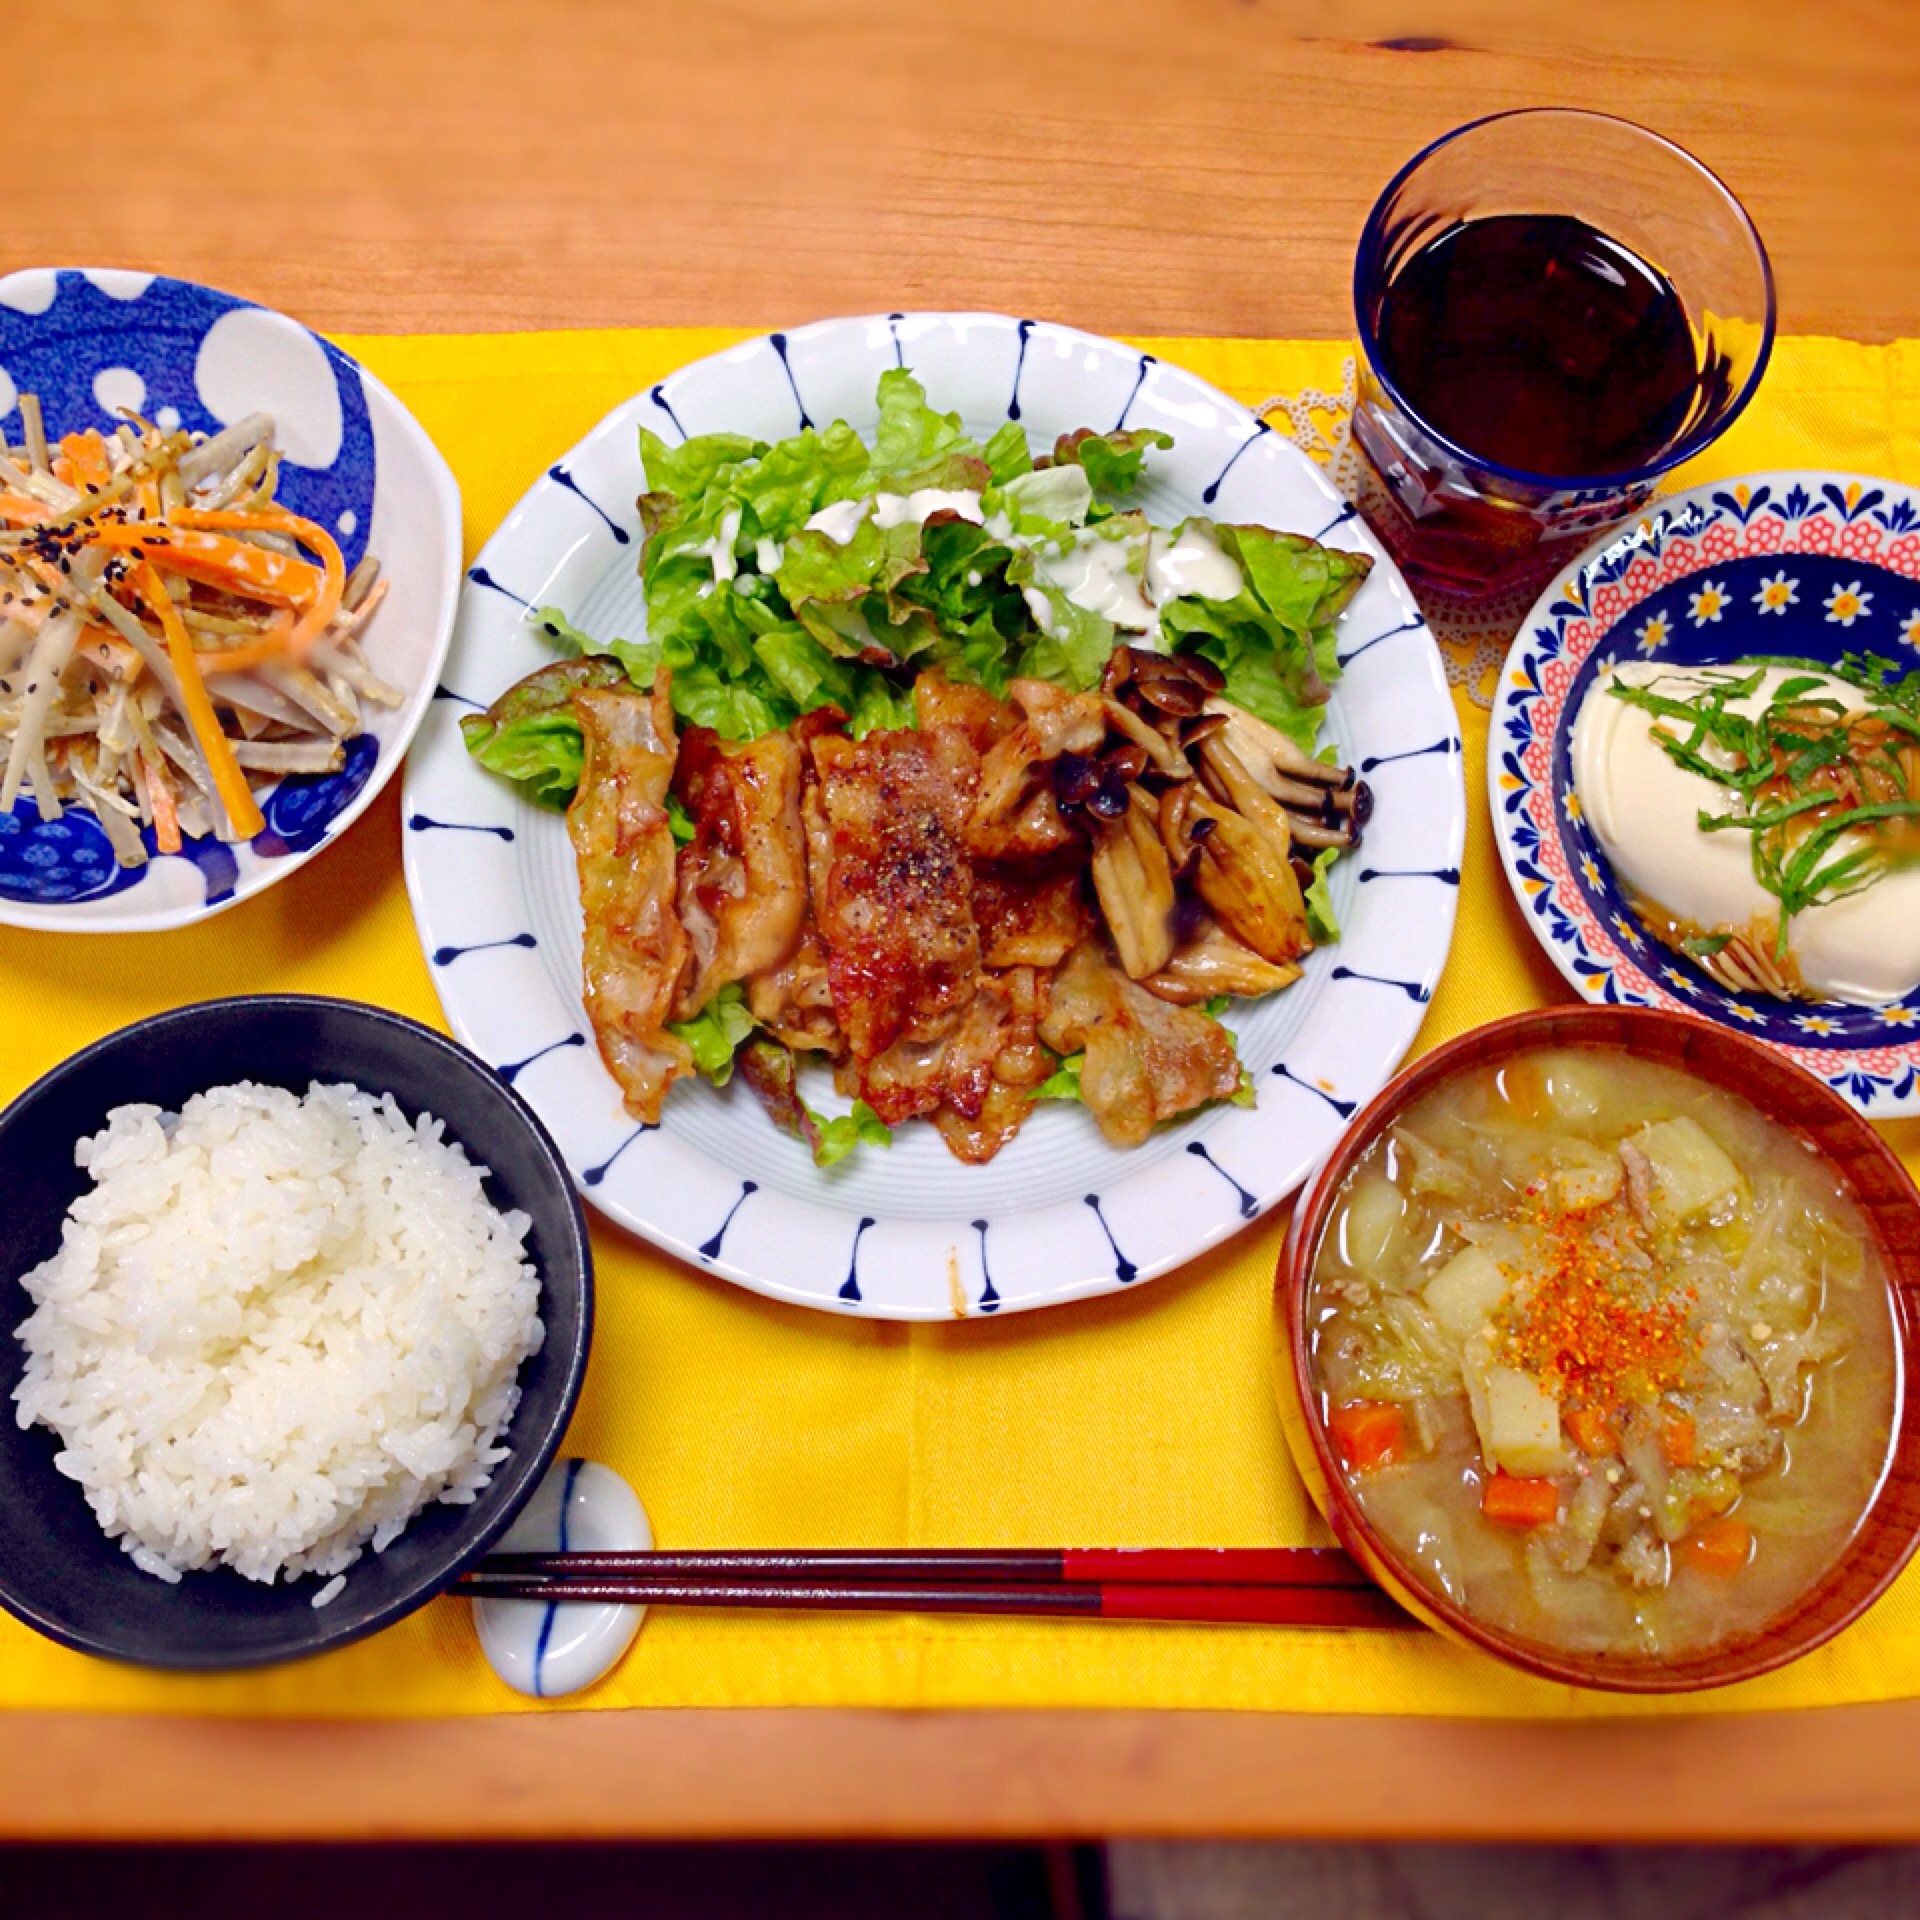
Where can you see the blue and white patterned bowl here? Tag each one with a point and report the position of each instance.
(910, 1233)
(1804, 563)
(88, 340)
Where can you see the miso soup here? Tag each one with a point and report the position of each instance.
(1606, 1353)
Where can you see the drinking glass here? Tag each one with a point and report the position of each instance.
(1467, 525)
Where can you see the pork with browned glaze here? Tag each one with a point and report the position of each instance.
(742, 887)
(1030, 916)
(636, 951)
(1146, 1060)
(892, 884)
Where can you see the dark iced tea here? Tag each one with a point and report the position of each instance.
(1537, 341)
(1530, 369)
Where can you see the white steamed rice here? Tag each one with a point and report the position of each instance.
(276, 1329)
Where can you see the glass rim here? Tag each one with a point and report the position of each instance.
(1691, 442)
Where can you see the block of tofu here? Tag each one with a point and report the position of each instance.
(1519, 1423)
(1692, 1177)
(1465, 1292)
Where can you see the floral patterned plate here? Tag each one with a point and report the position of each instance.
(910, 1233)
(1809, 564)
(89, 340)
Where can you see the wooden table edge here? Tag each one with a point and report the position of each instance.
(1832, 1775)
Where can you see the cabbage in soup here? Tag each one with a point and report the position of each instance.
(1605, 1352)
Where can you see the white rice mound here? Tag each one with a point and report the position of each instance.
(276, 1329)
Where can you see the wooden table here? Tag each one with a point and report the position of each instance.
(1147, 166)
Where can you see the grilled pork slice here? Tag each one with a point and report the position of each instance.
(892, 885)
(1015, 815)
(636, 950)
(1030, 916)
(940, 702)
(743, 875)
(794, 1001)
(976, 1138)
(972, 1081)
(1146, 1060)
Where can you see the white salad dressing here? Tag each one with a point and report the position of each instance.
(1194, 564)
(896, 509)
(719, 550)
(1123, 577)
(1102, 575)
(546, 1648)
(1642, 806)
(1126, 579)
(767, 554)
(840, 521)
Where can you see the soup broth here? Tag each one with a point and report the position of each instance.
(1606, 1354)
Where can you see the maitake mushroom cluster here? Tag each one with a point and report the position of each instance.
(1204, 820)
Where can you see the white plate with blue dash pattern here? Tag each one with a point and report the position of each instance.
(911, 1233)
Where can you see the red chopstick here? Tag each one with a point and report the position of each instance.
(1272, 1586)
(1019, 1566)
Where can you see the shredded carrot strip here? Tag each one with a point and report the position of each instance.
(22, 510)
(218, 561)
(166, 811)
(229, 782)
(86, 454)
(333, 575)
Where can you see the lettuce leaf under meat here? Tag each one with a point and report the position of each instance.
(531, 733)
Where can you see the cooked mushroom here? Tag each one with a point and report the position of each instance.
(1326, 806)
(1161, 749)
(1210, 962)
(1264, 747)
(1134, 882)
(1245, 874)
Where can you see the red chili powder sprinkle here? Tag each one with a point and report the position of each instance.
(1588, 1321)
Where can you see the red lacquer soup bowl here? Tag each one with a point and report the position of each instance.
(1889, 1526)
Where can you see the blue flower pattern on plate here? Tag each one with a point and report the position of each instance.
(1768, 570)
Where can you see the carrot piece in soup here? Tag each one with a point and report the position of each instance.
(1367, 1432)
(1592, 1431)
(1677, 1445)
(1513, 1500)
(1524, 1088)
(1724, 1545)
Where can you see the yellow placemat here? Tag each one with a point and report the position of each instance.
(1141, 1419)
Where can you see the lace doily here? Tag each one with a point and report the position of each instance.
(1473, 637)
